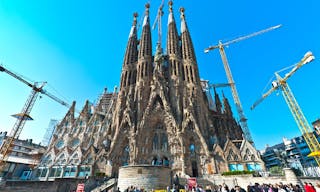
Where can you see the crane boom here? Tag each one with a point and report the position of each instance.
(33, 86)
(2, 69)
(217, 85)
(235, 95)
(242, 38)
(281, 83)
(263, 97)
(24, 115)
(308, 57)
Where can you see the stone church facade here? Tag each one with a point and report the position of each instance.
(159, 116)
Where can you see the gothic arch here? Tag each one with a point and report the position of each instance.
(190, 127)
(157, 102)
(249, 153)
(61, 159)
(74, 159)
(232, 153)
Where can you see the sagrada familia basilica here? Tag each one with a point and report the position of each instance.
(160, 115)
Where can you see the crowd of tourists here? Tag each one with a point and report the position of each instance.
(280, 187)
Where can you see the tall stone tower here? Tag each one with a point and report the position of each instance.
(160, 116)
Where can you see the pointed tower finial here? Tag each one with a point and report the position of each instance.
(147, 8)
(146, 16)
(135, 15)
(183, 21)
(170, 6)
(182, 12)
(134, 25)
(170, 18)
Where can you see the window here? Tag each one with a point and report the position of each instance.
(236, 167)
(84, 171)
(60, 144)
(74, 159)
(74, 143)
(61, 160)
(230, 156)
(164, 142)
(253, 167)
(125, 155)
(55, 172)
(42, 172)
(155, 145)
(192, 149)
(70, 171)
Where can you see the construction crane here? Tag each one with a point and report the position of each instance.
(281, 83)
(206, 85)
(158, 21)
(25, 113)
(219, 85)
(220, 46)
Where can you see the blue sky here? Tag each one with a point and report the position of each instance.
(78, 47)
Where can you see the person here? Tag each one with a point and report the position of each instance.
(237, 188)
(297, 188)
(176, 180)
(308, 188)
(317, 187)
(225, 188)
(312, 188)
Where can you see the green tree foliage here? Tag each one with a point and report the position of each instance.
(237, 173)
(276, 170)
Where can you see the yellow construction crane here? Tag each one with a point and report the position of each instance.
(243, 119)
(281, 83)
(24, 115)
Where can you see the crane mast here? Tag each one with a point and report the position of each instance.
(18, 126)
(24, 115)
(235, 95)
(281, 83)
(159, 22)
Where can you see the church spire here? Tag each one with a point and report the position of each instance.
(145, 42)
(190, 67)
(187, 46)
(172, 35)
(144, 68)
(131, 56)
